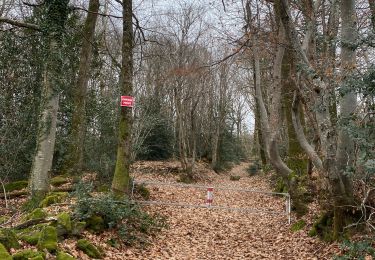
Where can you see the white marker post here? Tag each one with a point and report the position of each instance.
(209, 198)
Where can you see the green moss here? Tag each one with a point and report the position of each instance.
(103, 188)
(64, 256)
(8, 239)
(95, 223)
(4, 255)
(300, 224)
(28, 254)
(312, 232)
(58, 181)
(4, 219)
(234, 178)
(39, 257)
(89, 249)
(31, 238)
(48, 239)
(120, 182)
(281, 186)
(64, 224)
(17, 185)
(322, 227)
(36, 214)
(52, 198)
(78, 227)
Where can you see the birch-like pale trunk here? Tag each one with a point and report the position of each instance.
(53, 25)
(42, 163)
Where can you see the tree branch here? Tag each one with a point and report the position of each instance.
(301, 135)
(19, 24)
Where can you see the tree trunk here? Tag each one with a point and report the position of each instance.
(74, 162)
(53, 25)
(348, 103)
(220, 122)
(121, 178)
(372, 8)
(295, 160)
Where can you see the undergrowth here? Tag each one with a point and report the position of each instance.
(130, 223)
(356, 250)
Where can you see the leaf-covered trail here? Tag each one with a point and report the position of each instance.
(222, 234)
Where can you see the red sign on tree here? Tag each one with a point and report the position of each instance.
(127, 101)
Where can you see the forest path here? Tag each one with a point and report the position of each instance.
(200, 233)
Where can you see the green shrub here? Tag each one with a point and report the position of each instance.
(120, 215)
(356, 250)
(252, 169)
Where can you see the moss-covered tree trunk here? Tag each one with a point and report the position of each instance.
(296, 159)
(120, 182)
(52, 26)
(74, 161)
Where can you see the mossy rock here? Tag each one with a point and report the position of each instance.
(52, 198)
(31, 238)
(78, 227)
(300, 224)
(58, 181)
(64, 224)
(95, 224)
(142, 190)
(4, 255)
(28, 254)
(9, 239)
(234, 178)
(64, 256)
(89, 249)
(36, 214)
(17, 185)
(48, 239)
